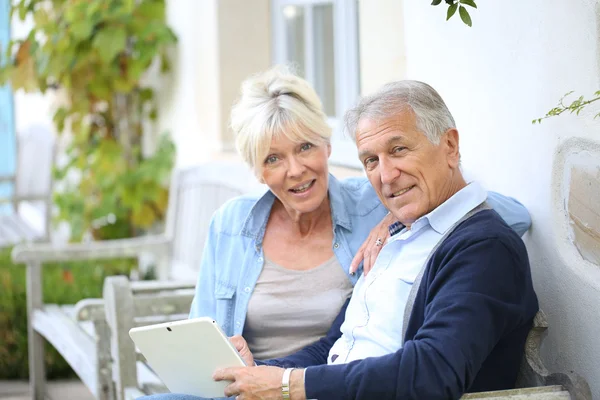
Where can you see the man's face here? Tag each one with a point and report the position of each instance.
(411, 175)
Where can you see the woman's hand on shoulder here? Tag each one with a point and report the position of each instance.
(371, 247)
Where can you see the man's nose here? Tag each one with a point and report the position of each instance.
(388, 171)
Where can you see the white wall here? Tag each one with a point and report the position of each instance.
(188, 95)
(515, 63)
(30, 108)
(381, 43)
(221, 42)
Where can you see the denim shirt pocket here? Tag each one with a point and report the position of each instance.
(224, 298)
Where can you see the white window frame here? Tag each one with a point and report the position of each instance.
(346, 68)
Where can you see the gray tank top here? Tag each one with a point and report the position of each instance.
(291, 309)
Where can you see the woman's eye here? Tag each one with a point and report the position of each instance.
(306, 146)
(271, 159)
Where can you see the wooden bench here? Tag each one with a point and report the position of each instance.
(80, 333)
(28, 217)
(127, 306)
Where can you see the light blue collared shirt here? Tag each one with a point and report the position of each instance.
(374, 318)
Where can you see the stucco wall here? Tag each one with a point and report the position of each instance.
(221, 42)
(381, 43)
(515, 63)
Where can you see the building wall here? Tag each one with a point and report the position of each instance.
(220, 44)
(512, 66)
(381, 43)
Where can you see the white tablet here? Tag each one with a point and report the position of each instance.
(185, 354)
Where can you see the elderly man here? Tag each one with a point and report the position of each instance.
(449, 302)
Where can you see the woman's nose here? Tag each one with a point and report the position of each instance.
(295, 167)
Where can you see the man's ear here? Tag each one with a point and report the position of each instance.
(451, 140)
(328, 150)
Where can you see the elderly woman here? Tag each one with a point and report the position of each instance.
(276, 267)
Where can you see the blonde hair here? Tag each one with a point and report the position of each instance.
(276, 102)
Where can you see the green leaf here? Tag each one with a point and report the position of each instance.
(151, 10)
(469, 3)
(81, 29)
(59, 118)
(146, 94)
(451, 11)
(109, 42)
(464, 15)
(436, 2)
(22, 11)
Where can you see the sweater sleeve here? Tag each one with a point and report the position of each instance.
(478, 294)
(316, 353)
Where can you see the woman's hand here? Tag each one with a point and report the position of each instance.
(241, 346)
(372, 246)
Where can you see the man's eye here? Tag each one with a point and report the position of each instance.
(398, 149)
(271, 159)
(369, 162)
(306, 146)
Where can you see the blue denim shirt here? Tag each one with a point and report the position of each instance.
(233, 254)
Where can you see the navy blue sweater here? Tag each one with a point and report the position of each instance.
(466, 332)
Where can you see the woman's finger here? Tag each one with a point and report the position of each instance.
(358, 258)
(369, 261)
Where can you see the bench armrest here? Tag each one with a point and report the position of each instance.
(106, 249)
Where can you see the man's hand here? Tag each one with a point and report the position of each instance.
(371, 247)
(259, 383)
(242, 347)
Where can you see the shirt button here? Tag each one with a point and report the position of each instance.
(336, 245)
(247, 289)
(238, 323)
(260, 259)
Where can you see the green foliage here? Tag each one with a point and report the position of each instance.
(464, 15)
(454, 5)
(95, 52)
(575, 107)
(63, 284)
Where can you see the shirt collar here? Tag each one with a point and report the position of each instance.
(449, 212)
(256, 220)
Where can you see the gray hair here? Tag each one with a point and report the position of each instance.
(432, 115)
(273, 103)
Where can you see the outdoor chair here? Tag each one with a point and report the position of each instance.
(80, 332)
(25, 214)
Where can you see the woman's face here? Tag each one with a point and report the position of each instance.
(297, 173)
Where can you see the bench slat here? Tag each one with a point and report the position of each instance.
(563, 395)
(73, 343)
(140, 287)
(175, 302)
(158, 319)
(542, 392)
